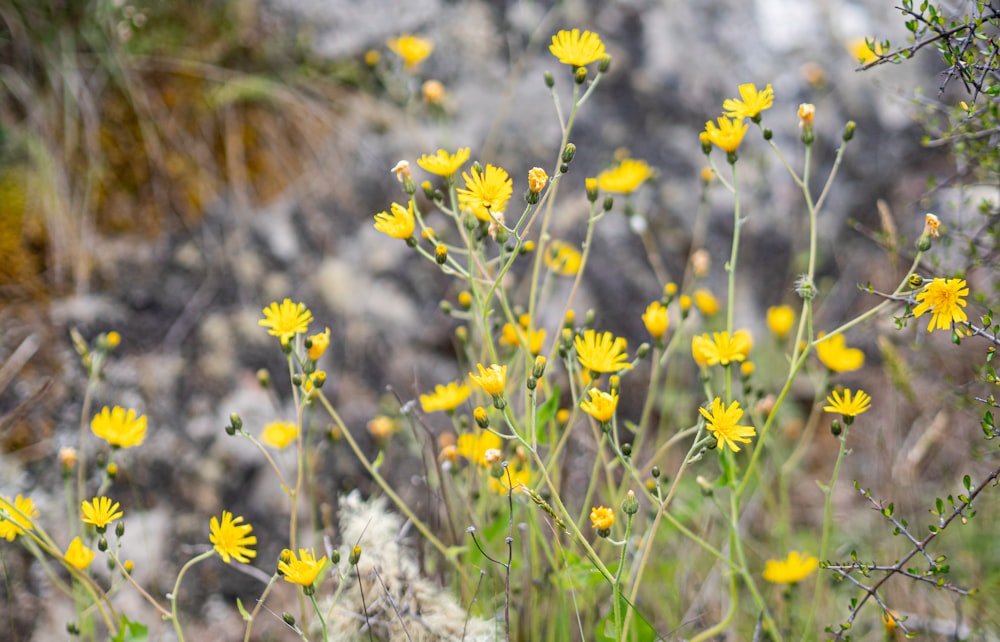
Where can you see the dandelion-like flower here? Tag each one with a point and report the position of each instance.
(836, 356)
(232, 538)
(398, 223)
(381, 427)
(318, 344)
(656, 320)
(562, 258)
(412, 49)
(100, 512)
(626, 177)
(78, 555)
(474, 447)
(795, 568)
(724, 423)
(728, 135)
(302, 569)
(602, 518)
(602, 352)
(444, 163)
(706, 302)
(486, 193)
(492, 379)
(751, 104)
(286, 319)
(601, 405)
(847, 406)
(780, 319)
(943, 299)
(445, 398)
(721, 349)
(575, 48)
(278, 434)
(537, 179)
(119, 427)
(807, 114)
(16, 516)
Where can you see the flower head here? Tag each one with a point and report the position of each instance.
(795, 568)
(486, 192)
(721, 349)
(412, 49)
(318, 344)
(601, 405)
(119, 427)
(513, 335)
(625, 177)
(492, 379)
(728, 135)
(932, 225)
(399, 224)
(100, 512)
(381, 427)
(286, 320)
(433, 92)
(474, 447)
(562, 258)
(706, 302)
(847, 406)
(780, 319)
(79, 555)
(751, 104)
(302, 569)
(537, 179)
(602, 518)
(278, 434)
(232, 539)
(575, 48)
(445, 398)
(836, 356)
(943, 298)
(16, 516)
(656, 320)
(723, 422)
(807, 114)
(602, 352)
(443, 163)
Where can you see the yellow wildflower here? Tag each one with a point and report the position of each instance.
(445, 398)
(443, 163)
(399, 224)
(728, 135)
(753, 102)
(474, 447)
(302, 569)
(601, 405)
(562, 258)
(433, 92)
(78, 555)
(780, 319)
(319, 343)
(943, 299)
(807, 114)
(723, 422)
(119, 427)
(656, 319)
(412, 49)
(602, 518)
(836, 356)
(626, 177)
(492, 379)
(486, 193)
(932, 225)
(278, 434)
(847, 406)
(286, 320)
(576, 49)
(232, 539)
(100, 512)
(795, 568)
(537, 179)
(381, 427)
(601, 352)
(721, 348)
(16, 516)
(706, 302)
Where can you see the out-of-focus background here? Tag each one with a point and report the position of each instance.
(167, 169)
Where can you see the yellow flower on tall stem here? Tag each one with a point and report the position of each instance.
(302, 569)
(602, 352)
(943, 298)
(795, 568)
(443, 163)
(575, 48)
(474, 447)
(626, 177)
(486, 192)
(723, 422)
(753, 101)
(286, 319)
(412, 49)
(492, 379)
(16, 516)
(318, 344)
(728, 135)
(100, 512)
(562, 258)
(445, 398)
(79, 555)
(836, 356)
(721, 349)
(846, 406)
(656, 320)
(601, 405)
(706, 302)
(119, 427)
(232, 538)
(780, 319)
(399, 224)
(602, 519)
(278, 434)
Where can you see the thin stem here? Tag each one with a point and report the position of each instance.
(177, 586)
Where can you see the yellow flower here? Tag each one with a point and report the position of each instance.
(537, 179)
(807, 114)
(862, 52)
(706, 302)
(79, 555)
(753, 102)
(302, 570)
(278, 434)
(562, 258)
(486, 193)
(574, 48)
(747, 368)
(399, 224)
(491, 379)
(728, 135)
(943, 298)
(381, 427)
(119, 427)
(656, 319)
(685, 302)
(286, 320)
(519, 476)
(320, 342)
(445, 398)
(411, 49)
(721, 348)
(474, 447)
(443, 163)
(836, 356)
(601, 405)
(797, 567)
(780, 319)
(433, 92)
(232, 539)
(512, 335)
(626, 177)
(602, 518)
(602, 352)
(100, 512)
(723, 422)
(16, 516)
(845, 405)
(932, 225)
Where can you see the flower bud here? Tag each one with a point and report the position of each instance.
(626, 450)
(580, 75)
(441, 254)
(604, 65)
(630, 505)
(102, 543)
(915, 281)
(482, 420)
(428, 190)
(120, 529)
(568, 153)
(849, 130)
(264, 378)
(355, 555)
(550, 80)
(836, 428)
(538, 368)
(236, 421)
(591, 186)
(655, 472)
(609, 202)
(288, 618)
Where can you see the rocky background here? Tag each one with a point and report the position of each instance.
(280, 204)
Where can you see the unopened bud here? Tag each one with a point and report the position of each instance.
(655, 472)
(568, 153)
(849, 130)
(355, 555)
(630, 505)
(915, 281)
(120, 529)
(441, 254)
(102, 543)
(609, 202)
(264, 378)
(288, 618)
(836, 428)
(580, 75)
(604, 65)
(538, 368)
(550, 80)
(482, 419)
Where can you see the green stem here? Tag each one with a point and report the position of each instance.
(259, 606)
(177, 586)
(322, 620)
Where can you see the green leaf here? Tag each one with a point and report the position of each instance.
(129, 631)
(243, 611)
(546, 413)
